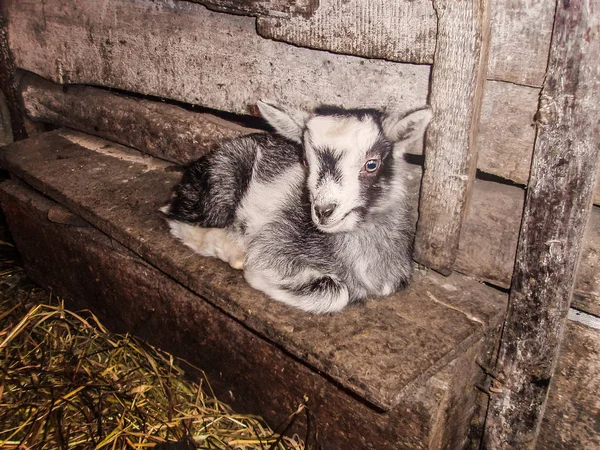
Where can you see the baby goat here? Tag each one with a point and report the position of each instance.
(316, 215)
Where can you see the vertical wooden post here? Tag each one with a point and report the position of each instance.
(458, 77)
(8, 84)
(559, 199)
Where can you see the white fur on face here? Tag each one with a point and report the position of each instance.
(349, 140)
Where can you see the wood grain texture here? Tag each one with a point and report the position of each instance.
(156, 128)
(132, 296)
(405, 31)
(565, 162)
(490, 234)
(6, 133)
(396, 30)
(458, 75)
(587, 288)
(196, 56)
(506, 130)
(521, 32)
(571, 417)
(12, 113)
(277, 8)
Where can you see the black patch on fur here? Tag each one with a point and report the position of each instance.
(322, 286)
(277, 154)
(328, 166)
(187, 204)
(372, 185)
(194, 198)
(330, 110)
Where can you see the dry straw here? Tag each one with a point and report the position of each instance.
(66, 382)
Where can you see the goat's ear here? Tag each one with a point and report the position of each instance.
(287, 122)
(406, 129)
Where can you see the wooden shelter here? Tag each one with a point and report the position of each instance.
(504, 186)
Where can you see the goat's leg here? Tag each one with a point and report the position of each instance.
(309, 290)
(216, 242)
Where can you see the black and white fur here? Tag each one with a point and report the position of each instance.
(316, 215)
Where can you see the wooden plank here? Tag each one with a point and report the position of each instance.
(457, 81)
(587, 288)
(506, 130)
(187, 55)
(493, 222)
(13, 126)
(490, 232)
(6, 133)
(435, 319)
(396, 30)
(131, 296)
(571, 417)
(156, 128)
(404, 31)
(557, 207)
(277, 8)
(521, 32)
(179, 135)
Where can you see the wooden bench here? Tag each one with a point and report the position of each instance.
(393, 373)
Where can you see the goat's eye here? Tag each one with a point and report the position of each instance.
(305, 162)
(371, 165)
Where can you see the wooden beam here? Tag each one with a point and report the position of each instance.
(12, 114)
(571, 417)
(405, 31)
(521, 32)
(396, 30)
(276, 8)
(160, 129)
(557, 207)
(458, 76)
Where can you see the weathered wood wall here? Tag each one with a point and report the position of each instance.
(490, 234)
(405, 31)
(557, 207)
(571, 417)
(196, 56)
(170, 62)
(396, 30)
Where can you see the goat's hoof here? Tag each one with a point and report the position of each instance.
(237, 263)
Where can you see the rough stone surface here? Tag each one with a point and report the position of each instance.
(196, 56)
(572, 417)
(428, 324)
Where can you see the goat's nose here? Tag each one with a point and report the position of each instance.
(324, 211)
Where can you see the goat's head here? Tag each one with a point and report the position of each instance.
(351, 155)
